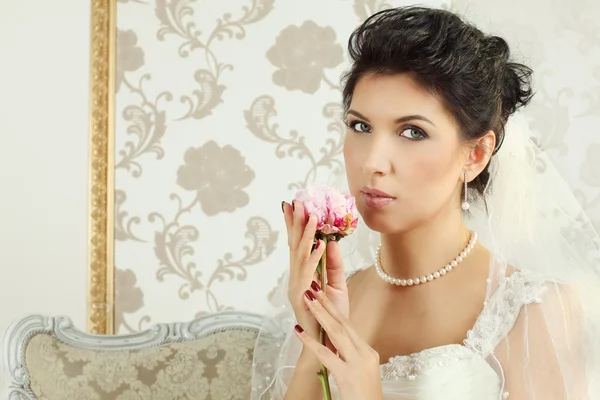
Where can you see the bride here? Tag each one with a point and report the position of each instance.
(485, 285)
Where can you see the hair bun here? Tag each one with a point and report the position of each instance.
(515, 80)
(516, 89)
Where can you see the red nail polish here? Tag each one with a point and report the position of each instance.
(298, 329)
(318, 244)
(293, 205)
(309, 295)
(315, 286)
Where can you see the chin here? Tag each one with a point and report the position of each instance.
(380, 222)
(387, 222)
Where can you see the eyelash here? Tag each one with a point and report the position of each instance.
(352, 125)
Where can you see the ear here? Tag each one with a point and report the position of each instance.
(479, 154)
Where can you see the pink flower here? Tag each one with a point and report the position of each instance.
(335, 211)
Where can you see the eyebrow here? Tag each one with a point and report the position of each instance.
(398, 120)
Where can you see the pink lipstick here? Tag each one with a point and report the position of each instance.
(375, 198)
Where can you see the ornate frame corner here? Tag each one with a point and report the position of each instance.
(15, 340)
(101, 291)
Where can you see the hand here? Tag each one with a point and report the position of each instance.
(303, 265)
(356, 369)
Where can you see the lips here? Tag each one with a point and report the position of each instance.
(375, 192)
(375, 198)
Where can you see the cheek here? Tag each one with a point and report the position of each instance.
(351, 156)
(436, 171)
(353, 164)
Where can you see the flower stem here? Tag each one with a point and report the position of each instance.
(324, 374)
(324, 385)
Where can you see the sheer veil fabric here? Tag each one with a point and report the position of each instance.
(538, 336)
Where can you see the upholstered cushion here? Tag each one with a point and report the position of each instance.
(216, 367)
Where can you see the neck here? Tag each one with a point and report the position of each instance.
(424, 249)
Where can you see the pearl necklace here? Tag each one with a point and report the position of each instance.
(424, 279)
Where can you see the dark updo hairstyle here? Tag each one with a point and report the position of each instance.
(470, 72)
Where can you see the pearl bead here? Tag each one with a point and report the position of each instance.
(465, 205)
(429, 277)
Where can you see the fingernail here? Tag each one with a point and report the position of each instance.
(315, 286)
(309, 295)
(298, 329)
(318, 244)
(282, 203)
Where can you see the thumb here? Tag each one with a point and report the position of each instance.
(336, 277)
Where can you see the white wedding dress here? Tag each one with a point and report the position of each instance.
(511, 336)
(466, 371)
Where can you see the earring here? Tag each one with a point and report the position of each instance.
(465, 204)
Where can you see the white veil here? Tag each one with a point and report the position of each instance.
(534, 223)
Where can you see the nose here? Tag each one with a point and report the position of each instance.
(376, 160)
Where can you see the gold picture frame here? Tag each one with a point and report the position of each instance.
(101, 293)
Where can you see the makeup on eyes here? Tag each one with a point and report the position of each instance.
(400, 120)
(353, 123)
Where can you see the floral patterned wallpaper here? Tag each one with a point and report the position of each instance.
(226, 108)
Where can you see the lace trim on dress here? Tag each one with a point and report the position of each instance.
(495, 321)
(414, 365)
(500, 314)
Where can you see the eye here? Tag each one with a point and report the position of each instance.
(359, 126)
(413, 133)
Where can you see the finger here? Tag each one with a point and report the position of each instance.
(287, 215)
(336, 315)
(309, 270)
(303, 251)
(335, 331)
(298, 223)
(336, 277)
(325, 356)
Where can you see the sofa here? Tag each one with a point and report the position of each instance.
(209, 358)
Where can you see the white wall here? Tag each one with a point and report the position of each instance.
(44, 63)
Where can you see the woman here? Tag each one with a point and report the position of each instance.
(439, 315)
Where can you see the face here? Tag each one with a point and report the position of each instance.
(404, 157)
